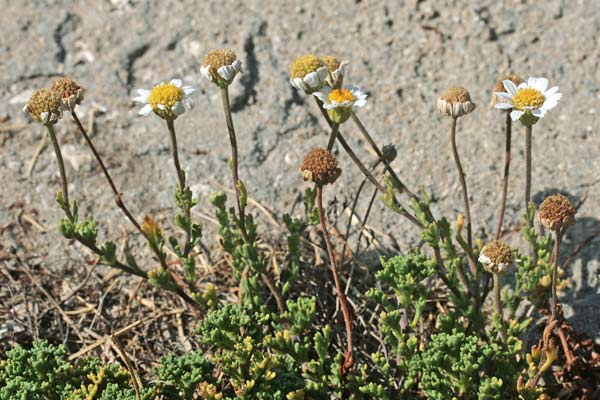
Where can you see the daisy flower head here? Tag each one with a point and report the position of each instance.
(335, 70)
(556, 212)
(69, 90)
(44, 106)
(168, 100)
(455, 102)
(220, 66)
(496, 257)
(320, 166)
(499, 86)
(529, 101)
(308, 73)
(340, 103)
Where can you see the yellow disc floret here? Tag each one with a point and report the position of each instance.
(304, 65)
(219, 58)
(340, 96)
(166, 95)
(528, 97)
(45, 106)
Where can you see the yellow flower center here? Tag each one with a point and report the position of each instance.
(304, 65)
(528, 97)
(341, 95)
(166, 94)
(219, 58)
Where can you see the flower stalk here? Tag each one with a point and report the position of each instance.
(506, 173)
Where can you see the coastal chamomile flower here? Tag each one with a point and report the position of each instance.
(308, 73)
(220, 66)
(336, 70)
(45, 106)
(455, 102)
(340, 103)
(496, 257)
(70, 91)
(530, 100)
(167, 100)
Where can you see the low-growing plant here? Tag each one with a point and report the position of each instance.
(445, 316)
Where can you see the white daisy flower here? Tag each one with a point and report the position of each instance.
(167, 100)
(530, 99)
(308, 73)
(220, 67)
(340, 103)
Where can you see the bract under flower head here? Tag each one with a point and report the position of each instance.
(167, 100)
(45, 106)
(308, 73)
(220, 66)
(340, 103)
(529, 101)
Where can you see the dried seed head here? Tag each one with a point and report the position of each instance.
(556, 212)
(304, 65)
(220, 66)
(455, 102)
(331, 62)
(45, 106)
(499, 86)
(496, 257)
(321, 167)
(69, 90)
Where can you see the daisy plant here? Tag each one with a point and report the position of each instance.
(169, 100)
(529, 101)
(220, 67)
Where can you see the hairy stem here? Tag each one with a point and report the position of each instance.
(61, 170)
(338, 286)
(506, 172)
(118, 196)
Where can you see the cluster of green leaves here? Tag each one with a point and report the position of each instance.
(43, 372)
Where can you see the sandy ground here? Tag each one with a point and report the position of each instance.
(403, 53)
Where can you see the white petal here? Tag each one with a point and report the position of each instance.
(178, 108)
(484, 259)
(188, 102)
(161, 107)
(540, 84)
(322, 73)
(522, 85)
(45, 117)
(226, 72)
(177, 82)
(360, 103)
(321, 96)
(312, 80)
(509, 86)
(237, 65)
(329, 106)
(506, 96)
(516, 114)
(551, 91)
(298, 83)
(147, 109)
(187, 90)
(503, 106)
(538, 113)
(205, 72)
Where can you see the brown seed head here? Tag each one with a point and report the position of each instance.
(321, 167)
(455, 102)
(45, 106)
(496, 257)
(219, 58)
(499, 86)
(69, 90)
(556, 212)
(331, 62)
(304, 65)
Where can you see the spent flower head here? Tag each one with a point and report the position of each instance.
(320, 166)
(45, 106)
(308, 73)
(69, 90)
(336, 70)
(556, 212)
(220, 66)
(499, 86)
(340, 103)
(167, 100)
(496, 257)
(455, 102)
(529, 100)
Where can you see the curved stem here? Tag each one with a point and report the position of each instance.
(61, 170)
(554, 262)
(118, 196)
(498, 305)
(338, 286)
(334, 131)
(506, 172)
(379, 153)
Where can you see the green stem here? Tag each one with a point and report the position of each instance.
(61, 170)
(498, 305)
(554, 261)
(506, 172)
(528, 145)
